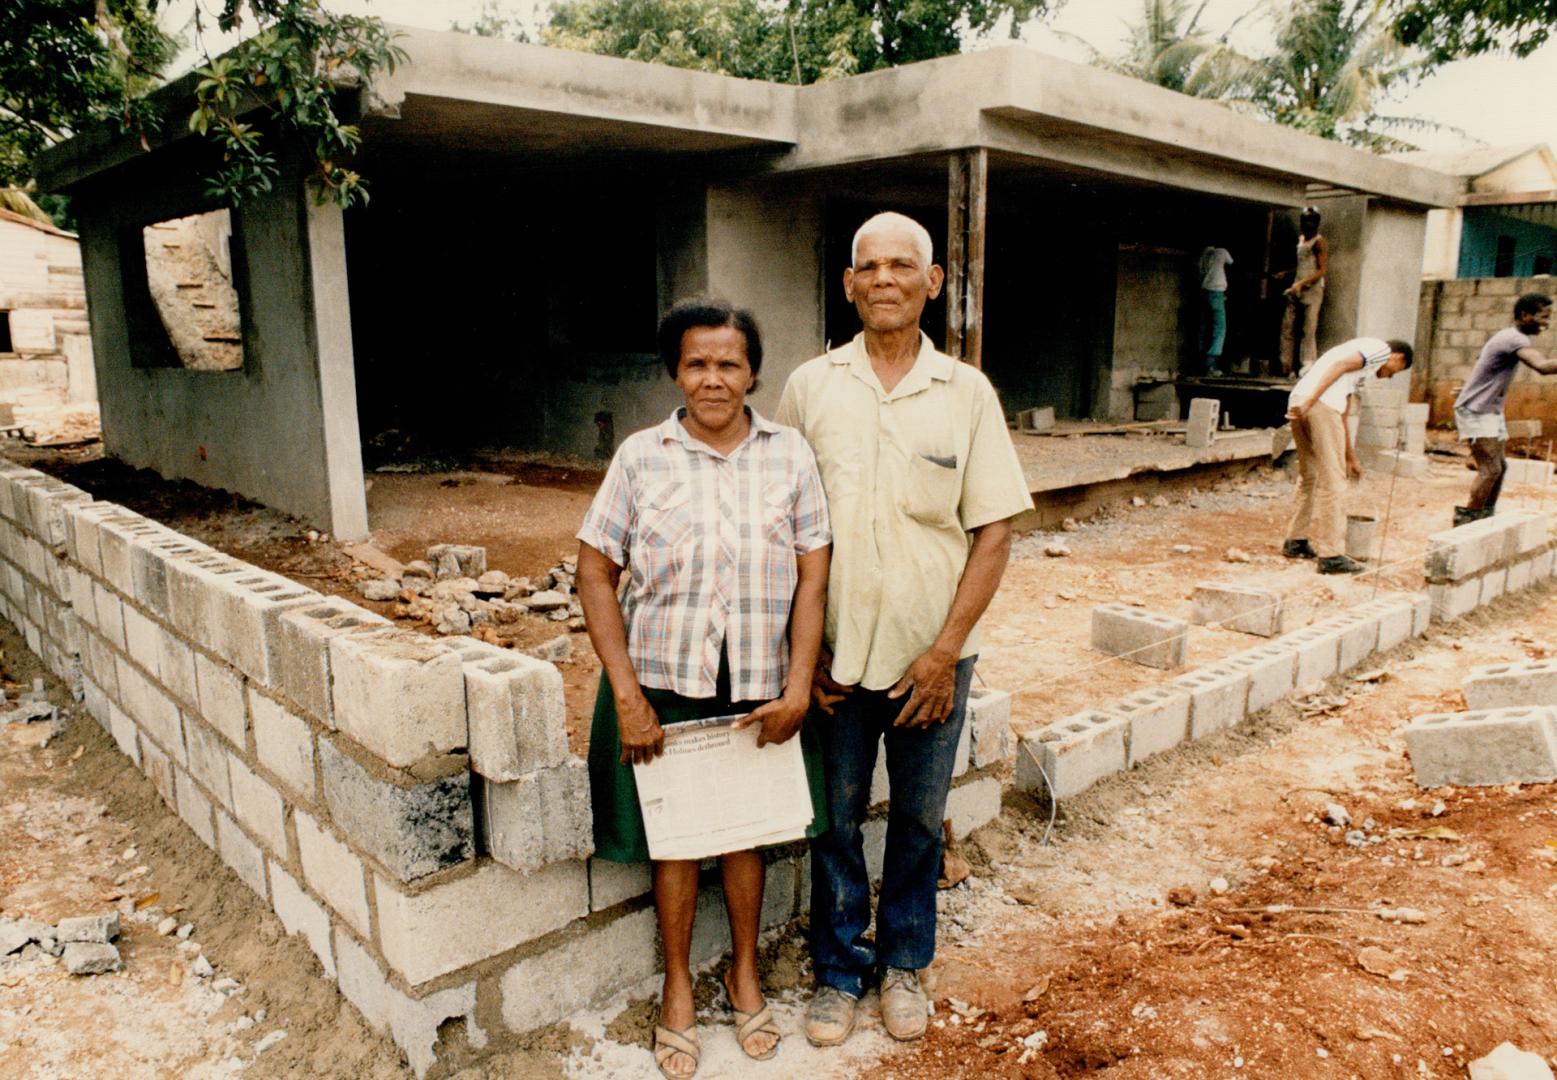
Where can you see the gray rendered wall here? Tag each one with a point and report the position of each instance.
(282, 431)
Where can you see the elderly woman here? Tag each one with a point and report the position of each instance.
(718, 519)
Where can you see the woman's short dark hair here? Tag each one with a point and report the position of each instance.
(1401, 347)
(713, 313)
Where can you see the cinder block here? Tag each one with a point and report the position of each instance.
(1528, 532)
(194, 807)
(259, 807)
(1543, 563)
(612, 883)
(1524, 429)
(1462, 552)
(1483, 748)
(1512, 685)
(333, 872)
(968, 806)
(1218, 697)
(1494, 583)
(414, 1023)
(989, 724)
(399, 695)
(1159, 720)
(1520, 574)
(1397, 618)
(141, 636)
(48, 504)
(565, 811)
(151, 709)
(517, 715)
(1413, 465)
(284, 743)
(115, 536)
(411, 828)
(1036, 420)
(150, 552)
(1272, 673)
(1377, 436)
(1204, 416)
(208, 760)
(300, 914)
(1527, 471)
(1450, 601)
(509, 814)
(158, 769)
(85, 519)
(300, 658)
(231, 608)
(125, 733)
(456, 923)
(1237, 607)
(176, 668)
(584, 970)
(110, 615)
(1421, 614)
(1416, 413)
(220, 691)
(242, 854)
(1075, 752)
(1142, 637)
(1357, 636)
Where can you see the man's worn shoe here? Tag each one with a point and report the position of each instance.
(1463, 515)
(829, 1016)
(1340, 564)
(905, 1011)
(1298, 549)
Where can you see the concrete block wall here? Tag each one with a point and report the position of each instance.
(408, 805)
(1472, 565)
(1071, 754)
(1458, 318)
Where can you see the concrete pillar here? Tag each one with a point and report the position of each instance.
(1373, 283)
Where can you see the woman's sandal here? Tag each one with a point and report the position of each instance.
(669, 1042)
(749, 1024)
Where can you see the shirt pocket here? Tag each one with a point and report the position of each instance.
(778, 515)
(932, 488)
(665, 517)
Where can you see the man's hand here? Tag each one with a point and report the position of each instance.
(1298, 412)
(642, 737)
(933, 679)
(825, 693)
(1292, 292)
(1353, 467)
(779, 719)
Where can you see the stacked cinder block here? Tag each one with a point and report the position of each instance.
(408, 805)
(1391, 434)
(1236, 607)
(1527, 471)
(1078, 750)
(1470, 566)
(1143, 637)
(1484, 747)
(1503, 686)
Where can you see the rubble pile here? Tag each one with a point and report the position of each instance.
(453, 592)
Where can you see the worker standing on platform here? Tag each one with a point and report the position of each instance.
(1214, 262)
(1317, 409)
(1300, 322)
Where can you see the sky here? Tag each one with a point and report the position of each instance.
(1489, 100)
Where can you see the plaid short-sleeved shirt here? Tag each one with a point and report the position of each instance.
(709, 542)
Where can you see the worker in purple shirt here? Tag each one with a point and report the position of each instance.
(1478, 411)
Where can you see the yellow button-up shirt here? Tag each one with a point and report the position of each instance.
(908, 474)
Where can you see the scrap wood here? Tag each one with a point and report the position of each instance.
(1410, 916)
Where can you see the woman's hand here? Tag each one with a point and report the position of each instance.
(642, 737)
(779, 718)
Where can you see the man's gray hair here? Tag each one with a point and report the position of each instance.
(889, 220)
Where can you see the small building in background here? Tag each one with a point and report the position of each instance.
(1505, 224)
(45, 342)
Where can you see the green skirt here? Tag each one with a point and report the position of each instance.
(619, 835)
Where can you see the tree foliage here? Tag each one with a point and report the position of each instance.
(797, 41)
(70, 65)
(1449, 29)
(1168, 46)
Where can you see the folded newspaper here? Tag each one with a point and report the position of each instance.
(714, 791)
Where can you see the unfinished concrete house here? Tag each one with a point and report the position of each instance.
(579, 195)
(45, 344)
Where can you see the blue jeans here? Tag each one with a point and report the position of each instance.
(1213, 326)
(919, 767)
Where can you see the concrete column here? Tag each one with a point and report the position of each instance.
(329, 330)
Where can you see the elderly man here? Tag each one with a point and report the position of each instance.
(915, 460)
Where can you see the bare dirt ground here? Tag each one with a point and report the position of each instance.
(1106, 949)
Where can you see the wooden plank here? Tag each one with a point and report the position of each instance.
(967, 201)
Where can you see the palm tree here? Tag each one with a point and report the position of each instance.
(1333, 64)
(1168, 47)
